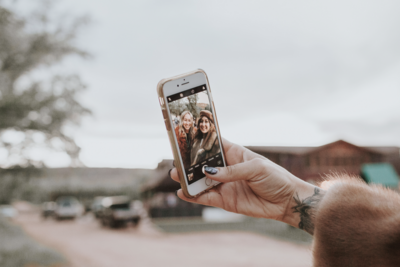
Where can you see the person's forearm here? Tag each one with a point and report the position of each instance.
(303, 206)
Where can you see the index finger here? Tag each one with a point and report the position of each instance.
(174, 175)
(235, 154)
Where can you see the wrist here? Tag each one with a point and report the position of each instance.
(303, 205)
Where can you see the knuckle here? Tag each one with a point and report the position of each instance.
(260, 165)
(258, 161)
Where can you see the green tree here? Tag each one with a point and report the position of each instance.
(176, 107)
(38, 107)
(192, 105)
(189, 103)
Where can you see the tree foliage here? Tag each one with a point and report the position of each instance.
(32, 106)
(189, 103)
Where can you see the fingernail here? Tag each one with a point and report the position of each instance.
(210, 170)
(169, 173)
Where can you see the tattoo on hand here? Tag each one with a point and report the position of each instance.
(308, 209)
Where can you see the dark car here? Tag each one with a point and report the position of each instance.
(97, 206)
(48, 209)
(117, 212)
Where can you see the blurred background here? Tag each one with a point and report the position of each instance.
(312, 85)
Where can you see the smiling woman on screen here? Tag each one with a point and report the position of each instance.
(205, 142)
(185, 133)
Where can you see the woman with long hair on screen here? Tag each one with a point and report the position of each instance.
(205, 142)
(185, 132)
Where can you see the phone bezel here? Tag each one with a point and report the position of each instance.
(171, 88)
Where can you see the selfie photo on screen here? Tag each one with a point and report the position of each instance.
(195, 130)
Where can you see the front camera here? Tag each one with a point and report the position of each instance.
(177, 85)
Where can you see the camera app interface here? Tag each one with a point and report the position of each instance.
(195, 131)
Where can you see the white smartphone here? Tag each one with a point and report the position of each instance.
(191, 122)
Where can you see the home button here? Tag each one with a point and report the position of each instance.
(208, 181)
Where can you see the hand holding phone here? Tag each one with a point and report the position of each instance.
(254, 186)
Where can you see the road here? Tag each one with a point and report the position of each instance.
(86, 244)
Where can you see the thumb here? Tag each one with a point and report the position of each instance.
(241, 171)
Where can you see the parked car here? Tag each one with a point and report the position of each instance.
(97, 207)
(68, 208)
(8, 211)
(48, 209)
(117, 211)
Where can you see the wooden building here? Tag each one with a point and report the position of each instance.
(312, 163)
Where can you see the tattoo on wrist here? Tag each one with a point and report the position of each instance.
(308, 209)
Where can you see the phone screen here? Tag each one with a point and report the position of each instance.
(195, 131)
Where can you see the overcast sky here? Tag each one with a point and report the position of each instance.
(287, 73)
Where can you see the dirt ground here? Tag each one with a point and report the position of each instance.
(86, 244)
